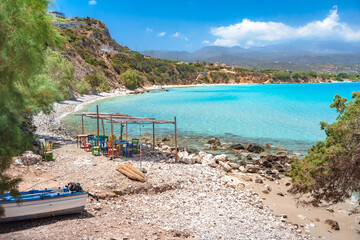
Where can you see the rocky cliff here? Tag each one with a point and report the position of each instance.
(96, 55)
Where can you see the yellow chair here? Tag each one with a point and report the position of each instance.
(47, 150)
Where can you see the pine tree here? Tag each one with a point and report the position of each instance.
(25, 33)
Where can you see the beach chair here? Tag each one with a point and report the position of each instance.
(90, 137)
(128, 150)
(47, 150)
(112, 151)
(135, 141)
(95, 149)
(87, 145)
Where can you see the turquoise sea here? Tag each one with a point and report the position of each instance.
(285, 115)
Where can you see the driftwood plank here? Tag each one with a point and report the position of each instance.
(131, 172)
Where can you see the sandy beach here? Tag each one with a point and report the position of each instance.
(178, 200)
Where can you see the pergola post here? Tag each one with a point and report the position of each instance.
(153, 147)
(102, 123)
(98, 129)
(112, 134)
(121, 130)
(176, 148)
(126, 131)
(82, 124)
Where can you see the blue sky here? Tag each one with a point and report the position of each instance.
(190, 25)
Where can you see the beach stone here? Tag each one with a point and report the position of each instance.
(267, 145)
(247, 178)
(258, 180)
(202, 154)
(251, 168)
(213, 165)
(221, 158)
(254, 148)
(265, 191)
(234, 165)
(237, 147)
(333, 224)
(232, 182)
(242, 169)
(197, 159)
(225, 166)
(209, 160)
(165, 147)
(165, 140)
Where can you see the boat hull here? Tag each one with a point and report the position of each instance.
(43, 207)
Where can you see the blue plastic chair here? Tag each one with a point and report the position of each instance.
(128, 151)
(90, 137)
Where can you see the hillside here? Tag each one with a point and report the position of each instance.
(100, 64)
(298, 56)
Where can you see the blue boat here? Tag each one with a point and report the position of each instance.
(42, 203)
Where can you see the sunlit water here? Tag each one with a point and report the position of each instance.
(285, 115)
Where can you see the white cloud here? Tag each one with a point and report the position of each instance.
(92, 2)
(149, 30)
(179, 35)
(250, 33)
(205, 42)
(161, 34)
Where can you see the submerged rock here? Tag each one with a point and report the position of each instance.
(237, 147)
(254, 148)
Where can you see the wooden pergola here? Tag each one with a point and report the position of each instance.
(125, 119)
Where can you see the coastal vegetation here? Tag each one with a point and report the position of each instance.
(330, 170)
(25, 31)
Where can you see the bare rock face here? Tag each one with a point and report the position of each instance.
(333, 224)
(254, 148)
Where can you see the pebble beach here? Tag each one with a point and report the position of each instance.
(203, 198)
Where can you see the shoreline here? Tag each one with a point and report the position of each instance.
(299, 215)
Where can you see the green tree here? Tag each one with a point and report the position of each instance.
(331, 169)
(25, 31)
(131, 79)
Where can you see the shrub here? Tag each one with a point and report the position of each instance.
(331, 169)
(131, 78)
(97, 82)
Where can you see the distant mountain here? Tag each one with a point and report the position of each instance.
(296, 52)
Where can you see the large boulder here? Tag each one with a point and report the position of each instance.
(208, 160)
(28, 158)
(184, 157)
(254, 148)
